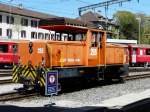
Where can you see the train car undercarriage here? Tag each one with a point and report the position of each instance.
(33, 78)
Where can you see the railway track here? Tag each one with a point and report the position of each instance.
(133, 77)
(5, 76)
(15, 96)
(137, 73)
(138, 69)
(6, 81)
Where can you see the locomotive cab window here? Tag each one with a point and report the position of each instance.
(58, 36)
(147, 51)
(95, 39)
(3, 48)
(47, 36)
(80, 37)
(69, 37)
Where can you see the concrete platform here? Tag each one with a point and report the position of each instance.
(8, 88)
(135, 102)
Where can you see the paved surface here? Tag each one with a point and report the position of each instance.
(143, 106)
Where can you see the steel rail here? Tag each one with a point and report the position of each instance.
(15, 96)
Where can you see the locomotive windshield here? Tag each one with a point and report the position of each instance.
(3, 48)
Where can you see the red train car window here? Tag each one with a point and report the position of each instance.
(134, 51)
(3, 48)
(147, 51)
(15, 48)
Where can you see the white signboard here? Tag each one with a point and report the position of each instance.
(93, 51)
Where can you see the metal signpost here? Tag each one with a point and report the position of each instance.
(51, 86)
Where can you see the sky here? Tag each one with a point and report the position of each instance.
(69, 8)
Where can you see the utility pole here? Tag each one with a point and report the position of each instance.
(102, 4)
(139, 21)
(10, 19)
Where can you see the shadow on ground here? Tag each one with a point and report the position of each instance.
(140, 106)
(9, 108)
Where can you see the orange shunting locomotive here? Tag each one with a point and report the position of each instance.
(76, 51)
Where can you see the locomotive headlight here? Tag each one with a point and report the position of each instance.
(30, 47)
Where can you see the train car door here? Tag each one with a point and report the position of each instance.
(134, 55)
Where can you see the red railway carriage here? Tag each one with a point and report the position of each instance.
(8, 53)
(139, 55)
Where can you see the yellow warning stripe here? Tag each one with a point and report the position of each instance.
(14, 80)
(26, 73)
(14, 67)
(33, 73)
(15, 72)
(40, 83)
(15, 77)
(24, 69)
(43, 81)
(30, 74)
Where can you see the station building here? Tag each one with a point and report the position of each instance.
(21, 23)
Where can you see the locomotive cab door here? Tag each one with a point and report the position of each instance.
(94, 49)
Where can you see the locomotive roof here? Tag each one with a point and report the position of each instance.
(139, 45)
(65, 25)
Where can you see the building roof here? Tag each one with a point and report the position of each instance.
(90, 16)
(63, 24)
(23, 11)
(62, 21)
(95, 18)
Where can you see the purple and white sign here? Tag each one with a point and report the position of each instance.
(51, 86)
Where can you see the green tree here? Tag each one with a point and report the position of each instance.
(128, 24)
(145, 28)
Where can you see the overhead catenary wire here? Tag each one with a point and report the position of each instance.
(101, 4)
(84, 2)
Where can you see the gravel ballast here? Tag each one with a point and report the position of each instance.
(88, 96)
